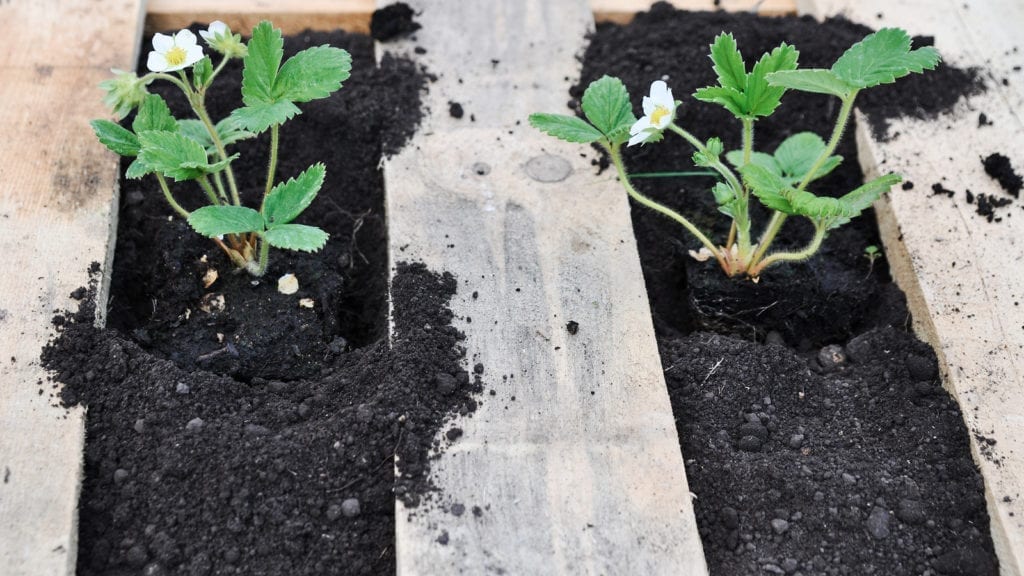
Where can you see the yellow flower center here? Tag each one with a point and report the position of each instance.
(656, 116)
(176, 56)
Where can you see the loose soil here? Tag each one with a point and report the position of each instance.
(817, 435)
(231, 430)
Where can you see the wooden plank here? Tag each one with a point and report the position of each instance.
(354, 15)
(962, 274)
(574, 462)
(57, 199)
(291, 16)
(622, 11)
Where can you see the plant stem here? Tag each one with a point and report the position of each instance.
(177, 82)
(778, 218)
(616, 156)
(204, 183)
(717, 165)
(833, 142)
(170, 199)
(748, 139)
(217, 70)
(199, 107)
(275, 136)
(261, 267)
(807, 252)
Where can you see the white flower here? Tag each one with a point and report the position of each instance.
(659, 112)
(172, 53)
(216, 29)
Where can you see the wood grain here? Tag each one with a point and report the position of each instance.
(574, 461)
(354, 15)
(57, 193)
(962, 274)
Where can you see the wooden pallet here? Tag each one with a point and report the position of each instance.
(560, 468)
(963, 275)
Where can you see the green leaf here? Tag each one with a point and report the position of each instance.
(732, 73)
(798, 153)
(202, 71)
(137, 169)
(172, 154)
(766, 161)
(266, 48)
(819, 209)
(296, 237)
(258, 117)
(730, 98)
(768, 187)
(154, 115)
(817, 80)
(215, 221)
(231, 131)
(761, 98)
(288, 199)
(119, 140)
(606, 105)
(863, 197)
(568, 128)
(881, 58)
(313, 73)
(196, 130)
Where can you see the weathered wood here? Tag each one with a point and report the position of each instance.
(292, 16)
(622, 11)
(57, 193)
(962, 274)
(575, 461)
(354, 15)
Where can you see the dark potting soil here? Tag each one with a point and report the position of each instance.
(230, 430)
(817, 435)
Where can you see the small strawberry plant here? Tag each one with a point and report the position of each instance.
(195, 150)
(780, 180)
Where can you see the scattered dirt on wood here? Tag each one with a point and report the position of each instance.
(998, 166)
(393, 21)
(817, 435)
(231, 430)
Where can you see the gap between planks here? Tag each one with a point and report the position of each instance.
(294, 16)
(962, 274)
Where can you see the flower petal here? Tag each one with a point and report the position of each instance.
(640, 125)
(218, 27)
(648, 105)
(156, 62)
(193, 54)
(185, 39)
(660, 91)
(638, 139)
(162, 42)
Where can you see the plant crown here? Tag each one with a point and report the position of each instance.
(779, 180)
(196, 149)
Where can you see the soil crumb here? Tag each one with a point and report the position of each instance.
(392, 21)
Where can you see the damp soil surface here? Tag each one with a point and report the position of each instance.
(233, 429)
(817, 435)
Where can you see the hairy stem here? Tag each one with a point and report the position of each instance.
(199, 107)
(275, 136)
(217, 70)
(778, 218)
(170, 199)
(177, 82)
(804, 254)
(260, 268)
(748, 139)
(741, 219)
(204, 183)
(616, 156)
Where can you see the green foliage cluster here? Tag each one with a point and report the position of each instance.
(195, 150)
(779, 180)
